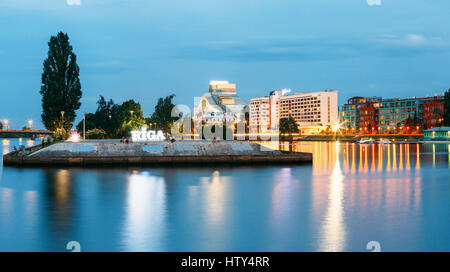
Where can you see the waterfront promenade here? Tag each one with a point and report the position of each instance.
(157, 153)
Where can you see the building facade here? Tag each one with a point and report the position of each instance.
(433, 113)
(275, 108)
(371, 115)
(368, 117)
(313, 112)
(221, 104)
(259, 116)
(359, 113)
(437, 134)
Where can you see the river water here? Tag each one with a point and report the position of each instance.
(397, 195)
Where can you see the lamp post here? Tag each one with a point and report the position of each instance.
(6, 124)
(30, 124)
(62, 119)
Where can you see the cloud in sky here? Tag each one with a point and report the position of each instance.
(311, 49)
(374, 2)
(73, 2)
(414, 39)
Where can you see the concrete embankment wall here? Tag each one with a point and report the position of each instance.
(159, 153)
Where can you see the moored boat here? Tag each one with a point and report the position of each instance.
(366, 141)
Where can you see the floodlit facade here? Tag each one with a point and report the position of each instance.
(221, 104)
(274, 108)
(311, 111)
(259, 115)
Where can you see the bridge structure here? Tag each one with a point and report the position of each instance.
(12, 133)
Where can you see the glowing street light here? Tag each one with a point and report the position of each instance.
(6, 123)
(30, 124)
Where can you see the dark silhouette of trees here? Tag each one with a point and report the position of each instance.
(446, 114)
(288, 126)
(113, 120)
(162, 116)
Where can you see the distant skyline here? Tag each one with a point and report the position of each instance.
(144, 49)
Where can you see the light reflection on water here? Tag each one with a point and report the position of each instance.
(397, 194)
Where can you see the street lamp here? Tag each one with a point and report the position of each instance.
(6, 123)
(131, 112)
(30, 123)
(62, 119)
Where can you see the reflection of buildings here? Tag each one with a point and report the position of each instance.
(146, 212)
(313, 111)
(221, 104)
(334, 233)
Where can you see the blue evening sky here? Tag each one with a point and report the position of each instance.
(145, 49)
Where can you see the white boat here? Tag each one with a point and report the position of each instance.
(385, 141)
(366, 141)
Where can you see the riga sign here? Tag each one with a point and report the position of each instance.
(145, 135)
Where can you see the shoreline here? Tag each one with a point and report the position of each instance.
(154, 153)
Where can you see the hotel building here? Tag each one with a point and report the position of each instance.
(313, 111)
(264, 112)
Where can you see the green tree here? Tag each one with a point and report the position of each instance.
(61, 87)
(446, 121)
(131, 117)
(288, 126)
(115, 120)
(162, 116)
(1, 125)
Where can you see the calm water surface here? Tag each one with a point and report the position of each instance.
(397, 194)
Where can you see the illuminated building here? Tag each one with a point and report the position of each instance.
(259, 114)
(362, 114)
(274, 107)
(349, 114)
(264, 112)
(393, 113)
(220, 104)
(367, 115)
(437, 134)
(312, 111)
(433, 113)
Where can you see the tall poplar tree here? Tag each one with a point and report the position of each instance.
(61, 88)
